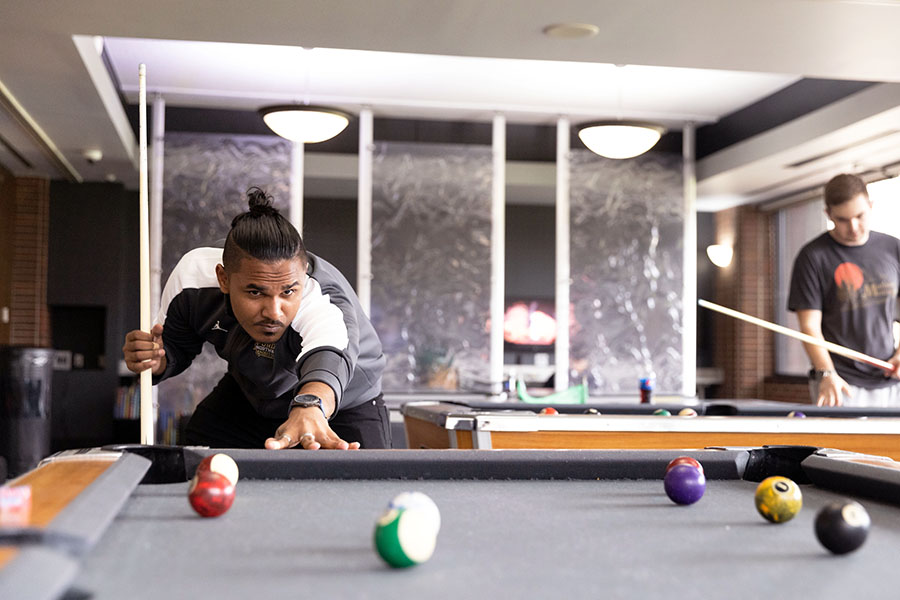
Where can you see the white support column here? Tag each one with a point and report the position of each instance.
(561, 351)
(689, 294)
(295, 213)
(498, 254)
(364, 211)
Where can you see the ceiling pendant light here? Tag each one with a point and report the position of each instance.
(305, 123)
(620, 139)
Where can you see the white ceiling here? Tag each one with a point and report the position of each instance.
(690, 60)
(394, 84)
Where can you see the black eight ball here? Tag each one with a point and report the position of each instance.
(842, 527)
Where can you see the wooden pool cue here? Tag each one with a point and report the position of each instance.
(831, 347)
(147, 416)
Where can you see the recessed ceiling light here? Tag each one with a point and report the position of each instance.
(571, 31)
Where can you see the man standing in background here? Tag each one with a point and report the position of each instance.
(844, 289)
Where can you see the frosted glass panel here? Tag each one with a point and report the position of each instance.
(627, 255)
(206, 178)
(431, 209)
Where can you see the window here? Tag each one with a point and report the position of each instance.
(795, 226)
(885, 196)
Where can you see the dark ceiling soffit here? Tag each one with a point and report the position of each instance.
(789, 103)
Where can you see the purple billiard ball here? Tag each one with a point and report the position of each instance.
(685, 484)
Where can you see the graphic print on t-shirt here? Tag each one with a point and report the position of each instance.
(854, 290)
(849, 279)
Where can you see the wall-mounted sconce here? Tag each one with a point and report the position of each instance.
(720, 254)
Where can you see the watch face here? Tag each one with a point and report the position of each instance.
(306, 400)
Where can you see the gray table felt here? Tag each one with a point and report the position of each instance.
(499, 539)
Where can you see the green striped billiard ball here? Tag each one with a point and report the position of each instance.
(421, 501)
(405, 537)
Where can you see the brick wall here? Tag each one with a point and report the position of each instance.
(746, 352)
(7, 200)
(30, 220)
(787, 389)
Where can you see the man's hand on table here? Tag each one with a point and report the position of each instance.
(307, 428)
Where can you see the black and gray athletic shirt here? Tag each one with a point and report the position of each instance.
(330, 340)
(856, 288)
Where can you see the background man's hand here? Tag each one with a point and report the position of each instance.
(832, 390)
(894, 360)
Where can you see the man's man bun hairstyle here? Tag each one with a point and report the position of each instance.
(260, 204)
(261, 233)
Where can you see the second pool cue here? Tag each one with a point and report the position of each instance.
(830, 346)
(147, 412)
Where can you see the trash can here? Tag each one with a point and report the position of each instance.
(25, 377)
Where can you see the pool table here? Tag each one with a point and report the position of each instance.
(115, 523)
(631, 405)
(497, 426)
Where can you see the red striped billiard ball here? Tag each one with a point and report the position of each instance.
(549, 410)
(220, 463)
(684, 460)
(211, 494)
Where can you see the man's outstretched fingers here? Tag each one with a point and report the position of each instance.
(333, 442)
(280, 441)
(308, 441)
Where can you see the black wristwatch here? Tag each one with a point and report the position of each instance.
(820, 374)
(307, 401)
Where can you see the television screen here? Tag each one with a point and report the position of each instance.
(529, 322)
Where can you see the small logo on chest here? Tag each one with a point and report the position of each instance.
(218, 327)
(264, 350)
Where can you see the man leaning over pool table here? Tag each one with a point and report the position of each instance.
(304, 362)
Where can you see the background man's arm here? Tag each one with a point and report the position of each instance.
(833, 386)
